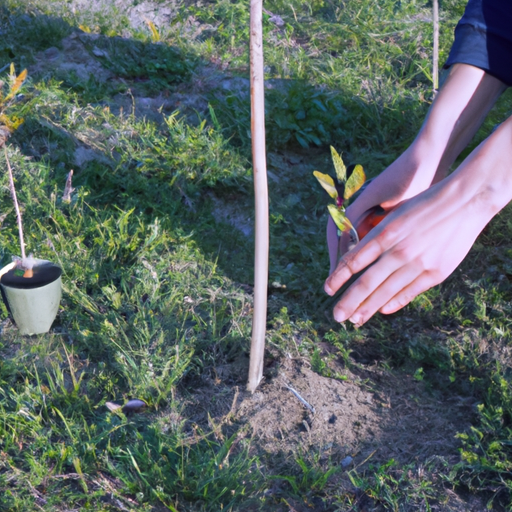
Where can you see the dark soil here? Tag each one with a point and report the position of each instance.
(386, 416)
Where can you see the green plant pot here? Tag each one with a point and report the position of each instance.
(32, 302)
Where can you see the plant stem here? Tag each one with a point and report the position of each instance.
(261, 197)
(16, 206)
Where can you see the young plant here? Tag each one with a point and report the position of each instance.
(9, 123)
(341, 189)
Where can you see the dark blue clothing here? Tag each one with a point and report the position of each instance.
(483, 38)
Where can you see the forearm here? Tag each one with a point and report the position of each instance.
(456, 114)
(484, 179)
(422, 242)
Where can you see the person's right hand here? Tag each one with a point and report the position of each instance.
(415, 248)
(458, 110)
(420, 243)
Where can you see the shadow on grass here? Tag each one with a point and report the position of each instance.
(176, 170)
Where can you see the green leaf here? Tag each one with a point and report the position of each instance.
(339, 166)
(355, 182)
(302, 141)
(327, 183)
(339, 218)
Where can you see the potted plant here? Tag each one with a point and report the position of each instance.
(31, 288)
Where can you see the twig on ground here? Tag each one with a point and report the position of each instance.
(295, 392)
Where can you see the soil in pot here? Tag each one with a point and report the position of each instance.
(44, 273)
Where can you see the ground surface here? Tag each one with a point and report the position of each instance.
(373, 416)
(362, 414)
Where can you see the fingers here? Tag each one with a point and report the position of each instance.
(409, 293)
(352, 263)
(374, 289)
(398, 290)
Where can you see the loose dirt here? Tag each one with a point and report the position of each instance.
(380, 417)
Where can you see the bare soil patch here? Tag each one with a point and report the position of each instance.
(385, 416)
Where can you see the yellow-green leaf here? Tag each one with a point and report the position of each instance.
(19, 80)
(327, 183)
(17, 84)
(339, 218)
(339, 166)
(355, 182)
(155, 35)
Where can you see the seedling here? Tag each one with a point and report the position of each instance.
(341, 189)
(7, 125)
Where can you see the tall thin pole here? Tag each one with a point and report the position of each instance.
(435, 59)
(259, 319)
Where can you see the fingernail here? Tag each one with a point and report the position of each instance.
(340, 315)
(356, 320)
(328, 290)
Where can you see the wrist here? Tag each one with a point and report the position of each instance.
(484, 179)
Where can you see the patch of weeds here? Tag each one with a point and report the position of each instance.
(193, 155)
(485, 454)
(296, 113)
(397, 488)
(24, 34)
(341, 340)
(157, 467)
(307, 479)
(92, 90)
(318, 365)
(226, 30)
(292, 336)
(300, 113)
(152, 67)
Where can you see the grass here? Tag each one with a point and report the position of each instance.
(157, 281)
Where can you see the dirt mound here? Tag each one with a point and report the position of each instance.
(351, 422)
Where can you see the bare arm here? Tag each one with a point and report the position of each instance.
(416, 228)
(453, 119)
(424, 240)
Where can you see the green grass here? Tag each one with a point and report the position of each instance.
(157, 282)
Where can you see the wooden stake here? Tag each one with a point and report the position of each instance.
(435, 63)
(259, 319)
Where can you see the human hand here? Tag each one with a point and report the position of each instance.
(454, 117)
(415, 248)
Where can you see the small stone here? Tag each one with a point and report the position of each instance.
(346, 461)
(276, 20)
(98, 52)
(51, 53)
